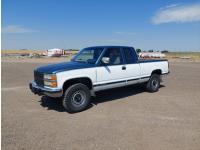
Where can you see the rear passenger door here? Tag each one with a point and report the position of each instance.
(132, 66)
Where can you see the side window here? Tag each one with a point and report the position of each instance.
(115, 56)
(129, 55)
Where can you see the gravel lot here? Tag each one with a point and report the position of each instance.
(121, 119)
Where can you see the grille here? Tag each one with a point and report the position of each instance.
(38, 77)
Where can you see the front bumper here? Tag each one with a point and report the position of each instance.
(45, 91)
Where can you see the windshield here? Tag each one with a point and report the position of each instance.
(88, 55)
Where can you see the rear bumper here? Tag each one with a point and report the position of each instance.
(45, 91)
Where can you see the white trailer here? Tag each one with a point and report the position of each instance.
(55, 52)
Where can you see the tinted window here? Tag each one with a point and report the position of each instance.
(129, 55)
(115, 56)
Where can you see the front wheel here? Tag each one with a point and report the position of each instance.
(153, 83)
(76, 98)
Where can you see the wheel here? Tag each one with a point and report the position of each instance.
(153, 83)
(76, 98)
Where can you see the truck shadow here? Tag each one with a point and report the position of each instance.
(101, 97)
(52, 104)
(119, 93)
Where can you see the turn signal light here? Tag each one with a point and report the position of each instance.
(53, 77)
(53, 84)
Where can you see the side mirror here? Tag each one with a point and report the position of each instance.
(105, 60)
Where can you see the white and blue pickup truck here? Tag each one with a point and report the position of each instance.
(94, 69)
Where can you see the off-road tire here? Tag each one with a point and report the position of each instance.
(76, 98)
(154, 83)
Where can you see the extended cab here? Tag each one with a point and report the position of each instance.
(94, 69)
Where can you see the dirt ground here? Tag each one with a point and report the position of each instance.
(121, 119)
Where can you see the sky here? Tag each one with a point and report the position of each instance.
(157, 24)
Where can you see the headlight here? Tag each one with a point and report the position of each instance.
(50, 80)
(50, 77)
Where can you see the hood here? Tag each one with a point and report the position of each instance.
(64, 66)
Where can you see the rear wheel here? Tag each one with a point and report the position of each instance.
(153, 83)
(76, 98)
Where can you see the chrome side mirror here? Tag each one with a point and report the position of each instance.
(105, 60)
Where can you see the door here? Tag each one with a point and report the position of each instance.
(112, 74)
(132, 67)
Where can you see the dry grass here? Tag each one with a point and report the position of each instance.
(21, 51)
(175, 55)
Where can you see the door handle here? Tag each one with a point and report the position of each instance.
(123, 67)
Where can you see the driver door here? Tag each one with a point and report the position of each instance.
(112, 74)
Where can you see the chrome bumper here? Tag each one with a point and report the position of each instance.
(45, 91)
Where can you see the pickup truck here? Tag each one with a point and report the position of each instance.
(94, 69)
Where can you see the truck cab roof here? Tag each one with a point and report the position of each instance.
(109, 46)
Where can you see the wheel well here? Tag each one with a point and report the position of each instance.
(86, 81)
(158, 71)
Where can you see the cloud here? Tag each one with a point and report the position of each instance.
(177, 13)
(124, 33)
(170, 6)
(16, 29)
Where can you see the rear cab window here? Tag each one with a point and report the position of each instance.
(129, 55)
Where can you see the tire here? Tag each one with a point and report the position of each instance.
(76, 98)
(154, 83)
